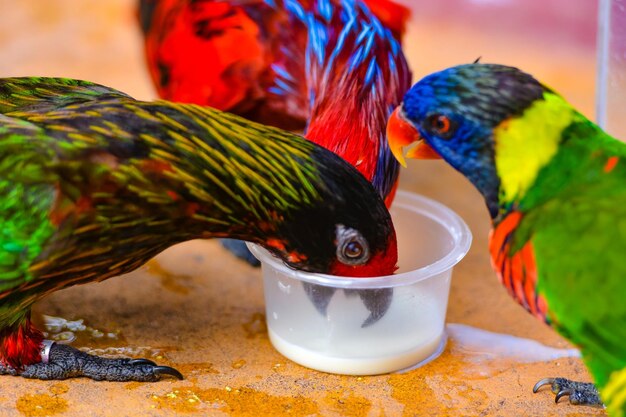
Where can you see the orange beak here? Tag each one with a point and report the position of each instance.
(401, 133)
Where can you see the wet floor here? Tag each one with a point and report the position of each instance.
(201, 311)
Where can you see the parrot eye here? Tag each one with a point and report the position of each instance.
(352, 248)
(440, 125)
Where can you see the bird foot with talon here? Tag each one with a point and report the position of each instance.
(579, 393)
(63, 361)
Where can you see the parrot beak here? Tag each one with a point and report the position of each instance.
(401, 133)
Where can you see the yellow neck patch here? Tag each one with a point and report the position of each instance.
(614, 393)
(524, 144)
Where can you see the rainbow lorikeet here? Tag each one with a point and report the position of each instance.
(96, 183)
(331, 67)
(553, 182)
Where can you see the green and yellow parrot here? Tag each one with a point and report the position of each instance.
(555, 187)
(95, 183)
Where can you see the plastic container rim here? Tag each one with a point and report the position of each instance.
(419, 204)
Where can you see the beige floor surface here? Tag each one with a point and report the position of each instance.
(199, 310)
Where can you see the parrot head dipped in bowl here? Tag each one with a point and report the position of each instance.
(96, 183)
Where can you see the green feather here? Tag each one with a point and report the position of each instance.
(95, 183)
(575, 217)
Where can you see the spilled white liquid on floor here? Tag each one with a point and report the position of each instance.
(124, 351)
(62, 330)
(482, 345)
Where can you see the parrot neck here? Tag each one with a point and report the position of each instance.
(354, 128)
(356, 76)
(524, 145)
(344, 130)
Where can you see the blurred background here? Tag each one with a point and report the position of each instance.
(99, 40)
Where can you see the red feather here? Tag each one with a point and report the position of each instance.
(517, 271)
(20, 346)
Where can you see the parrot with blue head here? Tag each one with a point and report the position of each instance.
(554, 186)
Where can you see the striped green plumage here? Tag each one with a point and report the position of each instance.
(27, 199)
(95, 183)
(576, 220)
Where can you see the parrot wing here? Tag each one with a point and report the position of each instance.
(236, 56)
(27, 194)
(43, 94)
(579, 241)
(580, 262)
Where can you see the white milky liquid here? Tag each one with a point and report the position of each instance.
(356, 366)
(410, 331)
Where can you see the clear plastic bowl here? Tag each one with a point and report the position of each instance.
(431, 240)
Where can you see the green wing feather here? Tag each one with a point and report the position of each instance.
(42, 94)
(26, 197)
(576, 221)
(97, 183)
(136, 166)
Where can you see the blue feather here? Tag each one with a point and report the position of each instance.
(338, 48)
(296, 8)
(317, 38)
(378, 26)
(276, 90)
(395, 46)
(349, 15)
(370, 42)
(391, 62)
(282, 72)
(325, 9)
(357, 58)
(364, 32)
(372, 69)
(284, 86)
(284, 50)
(364, 8)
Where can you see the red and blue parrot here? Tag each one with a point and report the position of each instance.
(334, 68)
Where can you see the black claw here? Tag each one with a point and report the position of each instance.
(141, 361)
(579, 393)
(319, 295)
(541, 383)
(167, 370)
(377, 302)
(562, 394)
